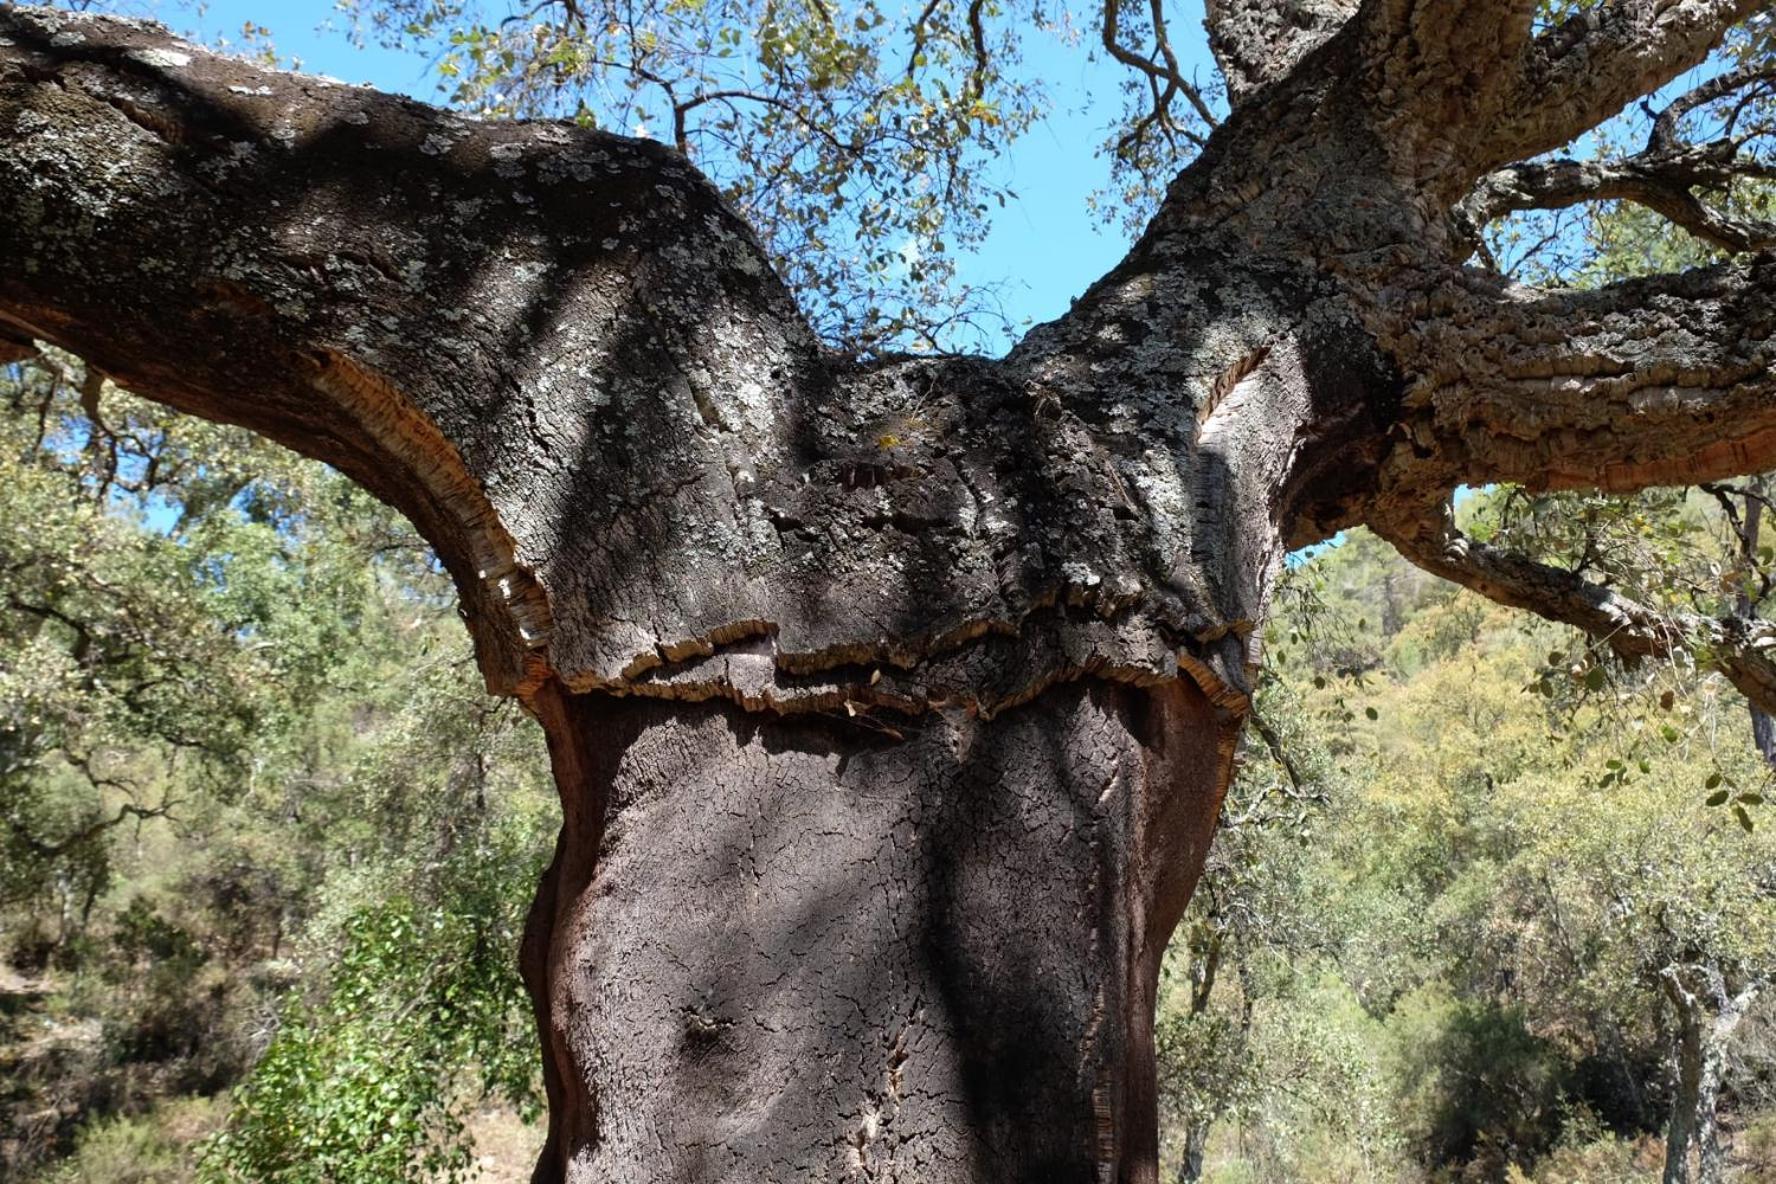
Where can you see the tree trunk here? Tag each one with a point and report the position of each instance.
(891, 702)
(1747, 520)
(1707, 1015)
(1710, 1156)
(1763, 734)
(1196, 1146)
(806, 949)
(1680, 1130)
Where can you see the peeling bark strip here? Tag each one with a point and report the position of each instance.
(408, 439)
(891, 705)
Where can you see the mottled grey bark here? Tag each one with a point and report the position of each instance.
(891, 705)
(1706, 1015)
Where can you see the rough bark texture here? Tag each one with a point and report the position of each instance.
(771, 952)
(892, 704)
(1257, 43)
(1706, 1015)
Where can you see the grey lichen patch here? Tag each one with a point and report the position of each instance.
(161, 58)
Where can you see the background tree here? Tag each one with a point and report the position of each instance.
(1511, 855)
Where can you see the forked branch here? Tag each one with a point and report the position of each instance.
(1161, 70)
(1753, 79)
(1741, 648)
(1664, 182)
(1664, 177)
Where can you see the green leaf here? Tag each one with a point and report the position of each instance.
(1718, 798)
(1744, 818)
(1714, 779)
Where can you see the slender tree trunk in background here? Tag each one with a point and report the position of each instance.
(1205, 967)
(1763, 727)
(891, 704)
(1763, 733)
(1680, 1129)
(1707, 1015)
(1711, 1154)
(1196, 1146)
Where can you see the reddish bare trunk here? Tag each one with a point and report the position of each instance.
(806, 949)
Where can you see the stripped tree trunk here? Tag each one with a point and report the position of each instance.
(891, 704)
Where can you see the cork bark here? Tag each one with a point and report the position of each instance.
(891, 703)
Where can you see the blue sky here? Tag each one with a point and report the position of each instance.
(1044, 249)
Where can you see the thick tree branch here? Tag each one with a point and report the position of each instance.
(1662, 181)
(573, 367)
(1583, 71)
(1257, 42)
(1660, 381)
(1741, 648)
(421, 300)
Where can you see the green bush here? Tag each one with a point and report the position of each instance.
(367, 1084)
(154, 1148)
